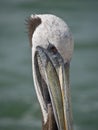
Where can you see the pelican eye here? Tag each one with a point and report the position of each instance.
(52, 48)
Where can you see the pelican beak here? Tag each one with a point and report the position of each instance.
(52, 79)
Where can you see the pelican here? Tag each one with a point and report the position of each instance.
(52, 47)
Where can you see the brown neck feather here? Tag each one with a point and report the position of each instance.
(51, 123)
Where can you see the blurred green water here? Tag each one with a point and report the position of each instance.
(19, 108)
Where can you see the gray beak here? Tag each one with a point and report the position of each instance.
(52, 79)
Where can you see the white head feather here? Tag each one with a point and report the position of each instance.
(55, 31)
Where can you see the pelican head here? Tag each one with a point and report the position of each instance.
(52, 48)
